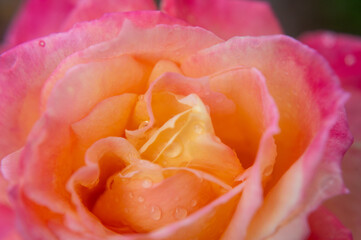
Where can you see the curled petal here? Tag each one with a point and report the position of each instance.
(108, 118)
(188, 139)
(226, 18)
(324, 225)
(83, 86)
(343, 52)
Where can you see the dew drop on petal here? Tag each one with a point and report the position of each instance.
(268, 170)
(174, 150)
(147, 183)
(180, 213)
(329, 40)
(131, 195)
(42, 43)
(194, 203)
(199, 128)
(143, 124)
(350, 60)
(140, 199)
(155, 213)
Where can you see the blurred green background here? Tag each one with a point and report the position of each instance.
(296, 16)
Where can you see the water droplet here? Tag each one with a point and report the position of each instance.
(199, 128)
(194, 203)
(330, 185)
(174, 150)
(329, 40)
(143, 124)
(268, 170)
(350, 60)
(147, 183)
(131, 195)
(155, 213)
(42, 43)
(140, 199)
(180, 213)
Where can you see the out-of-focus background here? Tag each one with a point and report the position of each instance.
(296, 16)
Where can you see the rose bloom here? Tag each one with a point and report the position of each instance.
(201, 121)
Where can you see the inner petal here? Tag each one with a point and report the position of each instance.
(188, 140)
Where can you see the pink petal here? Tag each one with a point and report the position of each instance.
(347, 207)
(310, 102)
(86, 10)
(342, 51)
(39, 18)
(344, 54)
(226, 18)
(325, 226)
(7, 222)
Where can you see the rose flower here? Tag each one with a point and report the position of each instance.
(139, 125)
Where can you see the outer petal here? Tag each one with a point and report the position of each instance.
(311, 105)
(226, 18)
(325, 226)
(344, 54)
(347, 207)
(342, 51)
(39, 18)
(86, 10)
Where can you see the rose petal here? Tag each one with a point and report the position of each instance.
(346, 207)
(342, 51)
(92, 9)
(40, 18)
(145, 207)
(207, 223)
(85, 85)
(103, 159)
(226, 18)
(345, 58)
(188, 140)
(108, 118)
(325, 226)
(7, 223)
